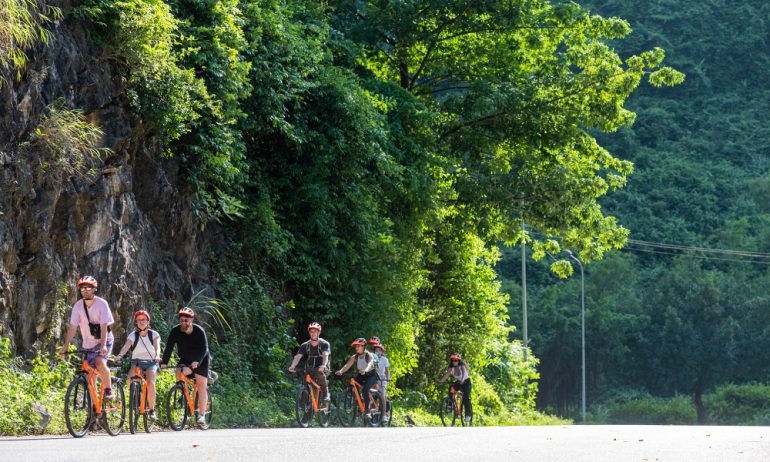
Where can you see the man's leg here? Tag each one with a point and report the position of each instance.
(320, 379)
(203, 393)
(104, 372)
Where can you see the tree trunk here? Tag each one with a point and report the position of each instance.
(697, 400)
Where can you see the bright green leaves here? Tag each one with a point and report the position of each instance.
(374, 152)
(23, 25)
(514, 85)
(666, 77)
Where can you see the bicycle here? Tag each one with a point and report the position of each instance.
(452, 405)
(85, 405)
(387, 416)
(350, 404)
(307, 404)
(137, 401)
(179, 404)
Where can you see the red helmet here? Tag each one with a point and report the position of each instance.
(359, 341)
(379, 345)
(186, 311)
(88, 281)
(374, 340)
(140, 313)
(455, 356)
(314, 325)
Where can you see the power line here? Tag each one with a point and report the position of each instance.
(699, 257)
(679, 249)
(661, 245)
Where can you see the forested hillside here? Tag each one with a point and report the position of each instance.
(666, 320)
(276, 162)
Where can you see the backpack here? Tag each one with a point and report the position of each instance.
(136, 343)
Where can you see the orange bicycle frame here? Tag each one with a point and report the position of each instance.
(357, 386)
(457, 399)
(138, 377)
(93, 374)
(314, 394)
(187, 382)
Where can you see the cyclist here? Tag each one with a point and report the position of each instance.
(458, 369)
(382, 367)
(194, 358)
(364, 361)
(318, 352)
(373, 342)
(94, 317)
(145, 355)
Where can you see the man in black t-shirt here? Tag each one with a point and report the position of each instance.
(317, 351)
(193, 350)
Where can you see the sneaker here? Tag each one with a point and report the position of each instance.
(201, 420)
(108, 394)
(468, 419)
(152, 415)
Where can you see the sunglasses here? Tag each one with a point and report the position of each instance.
(87, 288)
(185, 318)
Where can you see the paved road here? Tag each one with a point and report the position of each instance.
(535, 444)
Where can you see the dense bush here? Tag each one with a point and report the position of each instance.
(29, 386)
(733, 404)
(645, 409)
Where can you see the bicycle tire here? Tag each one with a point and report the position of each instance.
(77, 406)
(176, 407)
(325, 416)
(445, 410)
(149, 424)
(388, 416)
(347, 407)
(114, 410)
(376, 410)
(134, 395)
(303, 407)
(461, 415)
(209, 416)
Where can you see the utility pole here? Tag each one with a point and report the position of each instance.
(582, 329)
(524, 290)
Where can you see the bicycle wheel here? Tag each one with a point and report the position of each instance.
(114, 410)
(325, 414)
(376, 410)
(149, 424)
(208, 416)
(77, 407)
(134, 395)
(303, 407)
(347, 407)
(447, 411)
(387, 418)
(176, 407)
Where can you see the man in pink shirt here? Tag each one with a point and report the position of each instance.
(92, 314)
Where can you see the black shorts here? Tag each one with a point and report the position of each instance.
(202, 369)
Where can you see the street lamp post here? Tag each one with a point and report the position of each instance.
(582, 329)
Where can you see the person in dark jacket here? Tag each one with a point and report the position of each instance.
(193, 350)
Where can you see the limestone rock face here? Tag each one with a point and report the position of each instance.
(127, 220)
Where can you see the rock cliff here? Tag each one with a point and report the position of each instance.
(125, 218)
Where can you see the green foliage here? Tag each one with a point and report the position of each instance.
(367, 158)
(733, 404)
(646, 410)
(24, 24)
(70, 142)
(41, 383)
